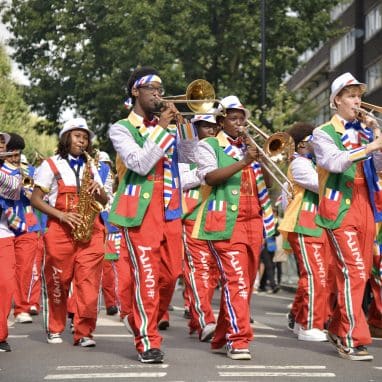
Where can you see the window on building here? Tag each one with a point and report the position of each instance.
(339, 9)
(373, 76)
(342, 49)
(373, 21)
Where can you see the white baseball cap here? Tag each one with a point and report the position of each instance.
(6, 137)
(211, 118)
(232, 102)
(103, 156)
(74, 124)
(345, 79)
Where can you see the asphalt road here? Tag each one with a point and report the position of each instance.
(277, 354)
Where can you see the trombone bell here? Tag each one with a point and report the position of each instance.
(199, 98)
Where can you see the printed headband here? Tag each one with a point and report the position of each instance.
(144, 80)
(139, 82)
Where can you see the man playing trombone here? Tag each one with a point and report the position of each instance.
(350, 200)
(147, 206)
(232, 220)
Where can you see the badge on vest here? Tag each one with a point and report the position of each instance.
(330, 204)
(216, 216)
(128, 201)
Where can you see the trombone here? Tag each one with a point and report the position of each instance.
(278, 146)
(200, 98)
(368, 109)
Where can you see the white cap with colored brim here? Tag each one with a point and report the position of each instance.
(211, 118)
(341, 82)
(232, 102)
(76, 124)
(6, 137)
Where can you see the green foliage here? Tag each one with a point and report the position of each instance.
(15, 116)
(80, 53)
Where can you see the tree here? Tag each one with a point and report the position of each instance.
(80, 53)
(15, 115)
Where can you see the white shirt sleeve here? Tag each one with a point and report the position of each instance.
(188, 178)
(328, 155)
(138, 159)
(304, 174)
(205, 159)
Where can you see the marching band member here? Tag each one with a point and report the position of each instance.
(350, 202)
(10, 186)
(147, 206)
(23, 221)
(67, 260)
(308, 241)
(231, 219)
(200, 270)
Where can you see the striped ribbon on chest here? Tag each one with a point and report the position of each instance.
(265, 201)
(168, 178)
(353, 139)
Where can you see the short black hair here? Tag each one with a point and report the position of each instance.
(299, 131)
(16, 142)
(135, 75)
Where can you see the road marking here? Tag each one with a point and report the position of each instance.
(276, 314)
(18, 336)
(275, 296)
(275, 374)
(272, 367)
(104, 375)
(132, 366)
(259, 325)
(378, 367)
(265, 336)
(113, 335)
(105, 321)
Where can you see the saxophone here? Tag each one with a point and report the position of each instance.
(87, 207)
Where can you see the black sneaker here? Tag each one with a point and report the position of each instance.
(187, 314)
(291, 321)
(4, 347)
(111, 310)
(163, 325)
(151, 356)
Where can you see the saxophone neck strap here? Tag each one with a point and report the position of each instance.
(76, 170)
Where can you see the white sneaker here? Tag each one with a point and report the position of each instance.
(86, 342)
(54, 338)
(239, 354)
(24, 318)
(296, 328)
(33, 310)
(207, 332)
(314, 335)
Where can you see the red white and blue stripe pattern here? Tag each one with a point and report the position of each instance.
(332, 194)
(132, 190)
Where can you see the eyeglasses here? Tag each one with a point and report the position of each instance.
(152, 89)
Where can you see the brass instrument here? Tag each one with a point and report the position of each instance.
(87, 207)
(367, 109)
(199, 97)
(278, 147)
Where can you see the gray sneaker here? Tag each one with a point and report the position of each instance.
(239, 354)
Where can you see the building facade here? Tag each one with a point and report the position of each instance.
(357, 50)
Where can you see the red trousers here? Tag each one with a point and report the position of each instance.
(238, 261)
(35, 290)
(125, 283)
(109, 283)
(68, 261)
(155, 249)
(26, 249)
(7, 282)
(353, 243)
(375, 308)
(200, 274)
(312, 293)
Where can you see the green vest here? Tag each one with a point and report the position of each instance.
(336, 189)
(134, 191)
(218, 213)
